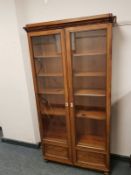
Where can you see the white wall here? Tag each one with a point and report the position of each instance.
(36, 10)
(121, 91)
(15, 112)
(29, 11)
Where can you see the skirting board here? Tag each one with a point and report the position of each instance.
(120, 157)
(16, 142)
(37, 146)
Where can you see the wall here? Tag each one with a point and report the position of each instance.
(15, 112)
(29, 11)
(121, 91)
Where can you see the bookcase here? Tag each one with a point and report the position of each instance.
(71, 67)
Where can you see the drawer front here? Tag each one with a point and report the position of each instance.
(56, 151)
(91, 158)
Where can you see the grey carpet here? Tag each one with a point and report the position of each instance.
(19, 160)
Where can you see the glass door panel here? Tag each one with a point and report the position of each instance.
(49, 66)
(90, 132)
(88, 53)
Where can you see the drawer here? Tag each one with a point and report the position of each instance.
(91, 158)
(56, 151)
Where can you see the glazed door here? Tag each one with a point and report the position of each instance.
(88, 56)
(49, 62)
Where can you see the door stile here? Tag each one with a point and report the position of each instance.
(71, 100)
(66, 84)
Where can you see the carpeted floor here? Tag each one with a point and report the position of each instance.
(19, 160)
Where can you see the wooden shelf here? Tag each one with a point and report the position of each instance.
(98, 115)
(52, 91)
(93, 53)
(50, 75)
(87, 92)
(55, 137)
(95, 142)
(55, 111)
(91, 36)
(47, 56)
(55, 141)
(90, 74)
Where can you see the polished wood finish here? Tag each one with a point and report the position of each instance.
(90, 74)
(71, 66)
(106, 18)
(99, 115)
(50, 74)
(89, 53)
(52, 91)
(48, 56)
(85, 92)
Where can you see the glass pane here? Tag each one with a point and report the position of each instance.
(50, 80)
(48, 45)
(89, 86)
(90, 133)
(55, 127)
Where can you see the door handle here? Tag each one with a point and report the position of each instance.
(66, 104)
(71, 105)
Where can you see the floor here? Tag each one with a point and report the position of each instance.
(19, 160)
